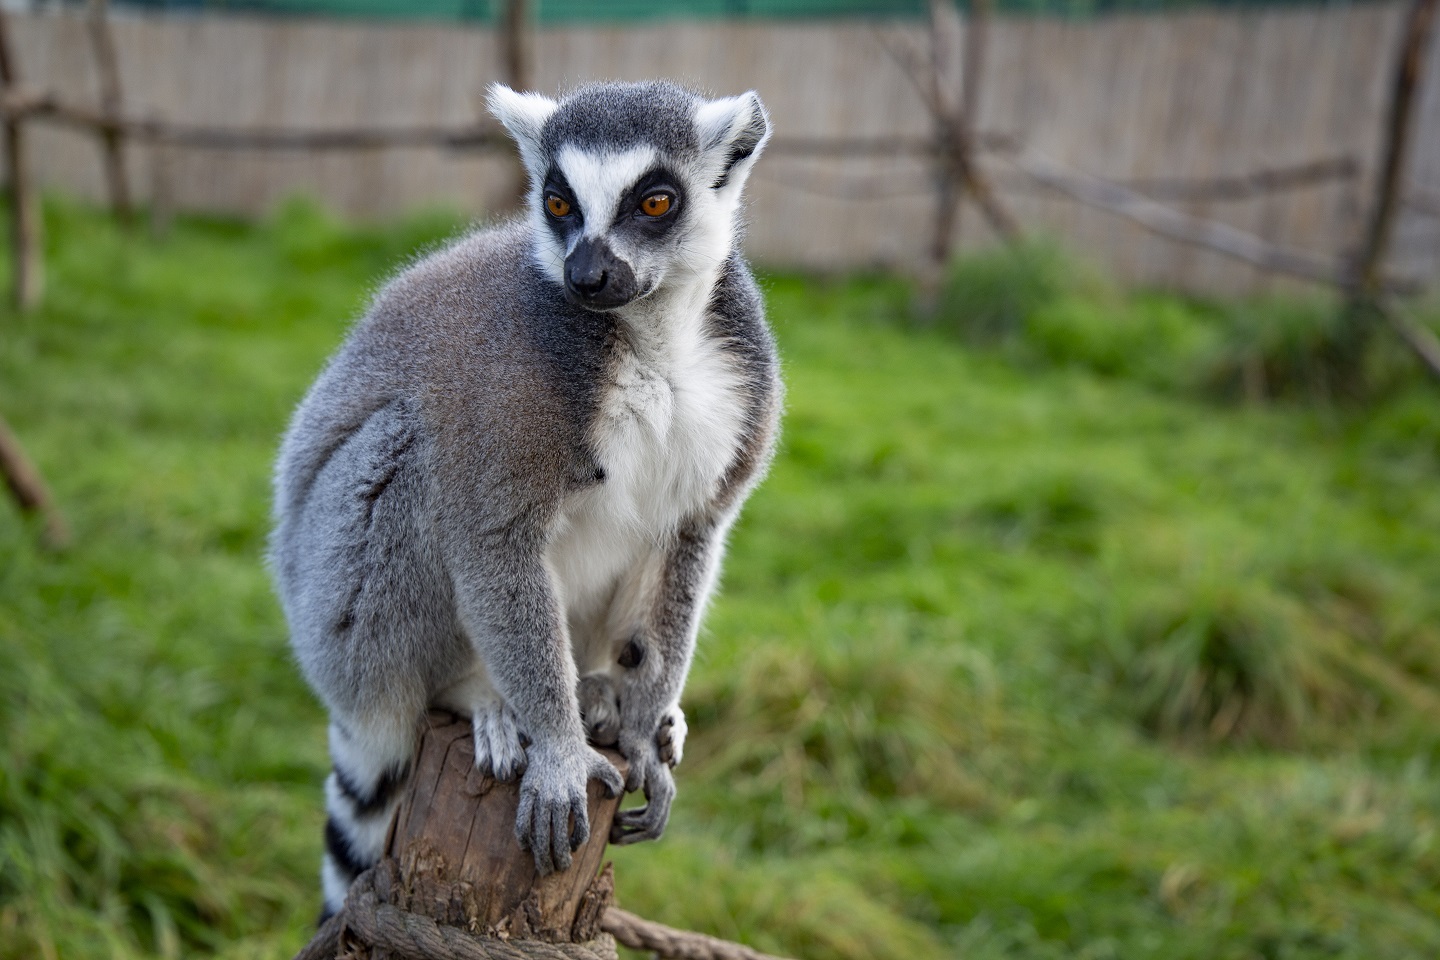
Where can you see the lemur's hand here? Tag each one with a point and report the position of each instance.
(651, 757)
(553, 819)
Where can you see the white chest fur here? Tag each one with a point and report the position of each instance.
(670, 425)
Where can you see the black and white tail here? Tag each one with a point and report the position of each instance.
(361, 794)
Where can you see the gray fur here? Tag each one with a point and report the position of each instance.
(620, 114)
(467, 499)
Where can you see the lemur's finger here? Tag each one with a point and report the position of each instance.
(523, 817)
(560, 834)
(540, 837)
(580, 817)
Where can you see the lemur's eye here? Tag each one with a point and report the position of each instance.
(557, 205)
(656, 205)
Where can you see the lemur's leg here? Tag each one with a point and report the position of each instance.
(509, 610)
(371, 756)
(653, 665)
(368, 611)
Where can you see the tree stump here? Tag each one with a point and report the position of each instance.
(452, 856)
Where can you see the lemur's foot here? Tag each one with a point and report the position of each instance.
(670, 738)
(599, 709)
(651, 757)
(499, 745)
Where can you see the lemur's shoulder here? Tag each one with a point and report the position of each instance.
(736, 315)
(499, 370)
(479, 315)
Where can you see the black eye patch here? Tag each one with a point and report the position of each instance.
(630, 214)
(556, 185)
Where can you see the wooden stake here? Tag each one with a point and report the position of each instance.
(976, 183)
(1365, 284)
(102, 42)
(1409, 72)
(28, 488)
(958, 175)
(517, 34)
(949, 132)
(459, 862)
(26, 244)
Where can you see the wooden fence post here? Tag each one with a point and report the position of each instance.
(102, 44)
(26, 245)
(1366, 284)
(28, 488)
(1399, 124)
(517, 37)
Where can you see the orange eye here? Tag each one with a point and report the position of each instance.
(656, 205)
(557, 205)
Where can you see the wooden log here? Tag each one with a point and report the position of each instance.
(459, 862)
(1246, 186)
(1195, 231)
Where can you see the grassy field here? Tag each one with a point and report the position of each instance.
(1069, 624)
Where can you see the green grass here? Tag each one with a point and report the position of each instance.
(1041, 639)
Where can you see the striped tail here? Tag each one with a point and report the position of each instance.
(361, 795)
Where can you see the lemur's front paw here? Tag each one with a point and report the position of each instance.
(499, 745)
(553, 819)
(670, 738)
(599, 709)
(650, 761)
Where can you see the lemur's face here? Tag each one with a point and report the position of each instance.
(633, 186)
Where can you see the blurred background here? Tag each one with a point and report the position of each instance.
(1091, 608)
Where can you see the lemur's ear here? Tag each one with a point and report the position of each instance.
(524, 115)
(733, 131)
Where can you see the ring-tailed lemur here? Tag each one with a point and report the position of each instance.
(520, 469)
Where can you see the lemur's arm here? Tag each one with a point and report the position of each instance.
(509, 608)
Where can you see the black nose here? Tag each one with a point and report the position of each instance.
(586, 275)
(596, 278)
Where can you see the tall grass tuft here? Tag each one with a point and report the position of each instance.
(817, 745)
(1040, 305)
(989, 297)
(1235, 661)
